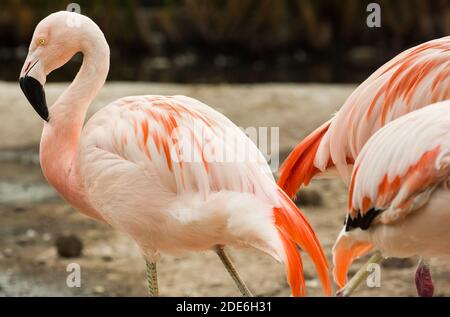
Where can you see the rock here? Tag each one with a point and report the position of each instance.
(31, 234)
(98, 290)
(309, 197)
(8, 252)
(106, 253)
(46, 237)
(19, 209)
(314, 283)
(41, 260)
(394, 263)
(351, 272)
(107, 258)
(22, 241)
(68, 246)
(28, 237)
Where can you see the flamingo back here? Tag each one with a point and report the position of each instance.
(414, 79)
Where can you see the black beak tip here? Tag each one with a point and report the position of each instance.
(35, 94)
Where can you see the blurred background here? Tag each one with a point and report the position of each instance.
(236, 41)
(263, 63)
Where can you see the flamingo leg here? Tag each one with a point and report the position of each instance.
(360, 276)
(233, 272)
(424, 282)
(152, 279)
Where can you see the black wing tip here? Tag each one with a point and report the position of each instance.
(361, 222)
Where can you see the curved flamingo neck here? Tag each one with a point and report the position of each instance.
(61, 134)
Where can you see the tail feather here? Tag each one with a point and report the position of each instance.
(295, 229)
(345, 251)
(294, 266)
(298, 169)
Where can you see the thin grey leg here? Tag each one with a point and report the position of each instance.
(152, 279)
(233, 272)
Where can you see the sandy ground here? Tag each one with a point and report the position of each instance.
(32, 216)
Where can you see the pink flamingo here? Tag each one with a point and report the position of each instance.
(414, 79)
(399, 199)
(127, 167)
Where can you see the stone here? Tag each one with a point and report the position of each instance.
(395, 263)
(98, 290)
(309, 197)
(69, 246)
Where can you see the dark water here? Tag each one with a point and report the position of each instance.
(191, 68)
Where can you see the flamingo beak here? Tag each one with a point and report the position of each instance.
(33, 88)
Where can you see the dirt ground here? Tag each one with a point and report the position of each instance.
(32, 216)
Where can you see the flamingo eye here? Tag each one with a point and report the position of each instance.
(41, 42)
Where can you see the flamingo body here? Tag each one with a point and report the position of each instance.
(163, 191)
(399, 201)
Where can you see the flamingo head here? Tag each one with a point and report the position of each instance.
(56, 39)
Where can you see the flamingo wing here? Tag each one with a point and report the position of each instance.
(400, 162)
(414, 79)
(191, 147)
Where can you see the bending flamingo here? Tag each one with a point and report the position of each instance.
(415, 78)
(399, 199)
(151, 166)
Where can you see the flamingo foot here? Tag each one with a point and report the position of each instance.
(424, 282)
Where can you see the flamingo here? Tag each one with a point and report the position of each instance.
(130, 166)
(399, 199)
(413, 79)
